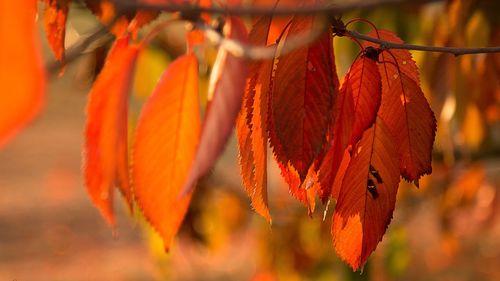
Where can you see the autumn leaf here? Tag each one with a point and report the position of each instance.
(406, 112)
(356, 109)
(251, 124)
(22, 74)
(105, 151)
(165, 145)
(226, 87)
(55, 16)
(305, 87)
(367, 197)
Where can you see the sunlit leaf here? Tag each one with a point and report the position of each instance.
(21, 67)
(367, 196)
(251, 126)
(166, 139)
(105, 151)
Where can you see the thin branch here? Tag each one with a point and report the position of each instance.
(126, 5)
(76, 49)
(451, 50)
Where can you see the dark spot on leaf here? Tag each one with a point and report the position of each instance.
(375, 174)
(372, 188)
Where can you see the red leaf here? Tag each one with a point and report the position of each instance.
(406, 110)
(55, 15)
(226, 87)
(412, 122)
(165, 145)
(105, 151)
(251, 125)
(305, 86)
(367, 196)
(356, 109)
(252, 140)
(22, 74)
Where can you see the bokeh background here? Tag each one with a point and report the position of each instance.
(449, 229)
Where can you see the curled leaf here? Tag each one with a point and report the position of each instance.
(105, 150)
(251, 125)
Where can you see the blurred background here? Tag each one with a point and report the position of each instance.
(449, 229)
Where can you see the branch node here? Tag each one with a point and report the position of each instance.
(338, 27)
(372, 53)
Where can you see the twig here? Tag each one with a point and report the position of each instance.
(76, 50)
(330, 9)
(451, 50)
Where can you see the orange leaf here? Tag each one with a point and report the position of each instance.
(251, 124)
(367, 196)
(226, 87)
(252, 140)
(356, 109)
(305, 86)
(55, 16)
(105, 151)
(165, 145)
(22, 74)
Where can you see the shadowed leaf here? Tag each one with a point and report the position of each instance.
(406, 110)
(226, 88)
(305, 86)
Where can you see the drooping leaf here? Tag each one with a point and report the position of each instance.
(305, 87)
(22, 74)
(165, 145)
(356, 109)
(105, 150)
(226, 87)
(367, 196)
(252, 140)
(412, 122)
(251, 123)
(55, 16)
(406, 110)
